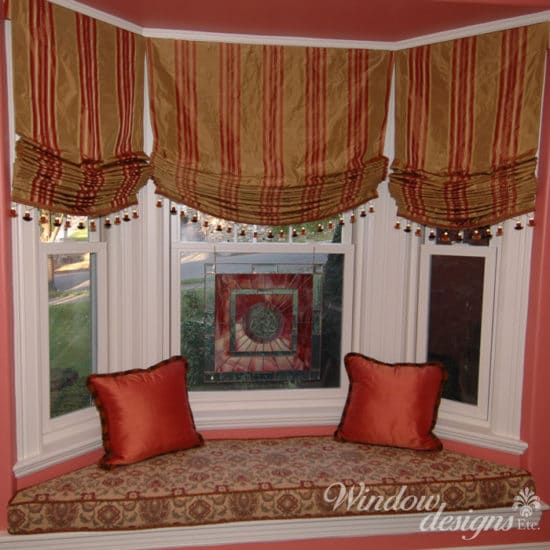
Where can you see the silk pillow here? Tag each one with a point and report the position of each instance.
(391, 404)
(144, 412)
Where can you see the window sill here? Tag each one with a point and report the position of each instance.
(478, 436)
(271, 410)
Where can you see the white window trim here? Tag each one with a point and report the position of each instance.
(266, 408)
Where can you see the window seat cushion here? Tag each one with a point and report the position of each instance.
(258, 479)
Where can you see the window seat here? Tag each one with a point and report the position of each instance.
(260, 479)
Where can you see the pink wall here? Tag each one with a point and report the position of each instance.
(536, 410)
(536, 402)
(7, 426)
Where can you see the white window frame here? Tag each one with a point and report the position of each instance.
(449, 407)
(266, 408)
(59, 428)
(41, 440)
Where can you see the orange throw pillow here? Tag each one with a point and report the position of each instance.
(144, 412)
(394, 405)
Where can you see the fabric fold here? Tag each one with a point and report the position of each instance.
(267, 134)
(467, 128)
(78, 94)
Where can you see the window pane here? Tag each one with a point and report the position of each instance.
(261, 321)
(71, 306)
(456, 299)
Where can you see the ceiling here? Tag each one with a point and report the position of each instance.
(377, 20)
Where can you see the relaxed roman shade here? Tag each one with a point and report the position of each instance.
(78, 93)
(467, 128)
(267, 134)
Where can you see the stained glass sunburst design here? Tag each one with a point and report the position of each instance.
(263, 322)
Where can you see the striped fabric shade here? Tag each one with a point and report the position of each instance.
(78, 92)
(467, 128)
(267, 134)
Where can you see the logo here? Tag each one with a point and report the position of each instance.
(473, 523)
(526, 502)
(359, 498)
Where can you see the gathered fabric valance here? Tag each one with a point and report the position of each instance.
(267, 134)
(467, 128)
(78, 93)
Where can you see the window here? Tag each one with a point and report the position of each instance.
(391, 315)
(61, 294)
(456, 308)
(261, 309)
(72, 310)
(471, 314)
(146, 290)
(72, 327)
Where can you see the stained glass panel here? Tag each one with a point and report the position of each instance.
(264, 320)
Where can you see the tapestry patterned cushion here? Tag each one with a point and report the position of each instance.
(236, 480)
(391, 404)
(144, 412)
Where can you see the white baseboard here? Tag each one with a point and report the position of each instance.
(254, 531)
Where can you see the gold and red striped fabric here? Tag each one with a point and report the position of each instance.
(267, 134)
(467, 128)
(78, 94)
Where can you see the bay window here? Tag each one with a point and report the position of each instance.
(264, 314)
